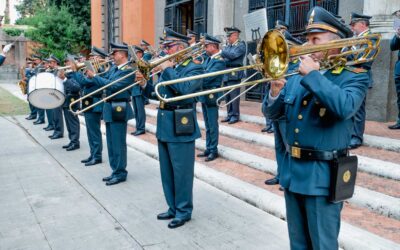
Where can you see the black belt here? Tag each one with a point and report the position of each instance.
(165, 106)
(119, 100)
(315, 155)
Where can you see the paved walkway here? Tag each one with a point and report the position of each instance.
(50, 201)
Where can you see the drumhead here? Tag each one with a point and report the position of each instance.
(46, 98)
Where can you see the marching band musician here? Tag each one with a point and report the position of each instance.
(177, 129)
(56, 112)
(93, 115)
(116, 112)
(71, 88)
(213, 63)
(360, 26)
(49, 112)
(192, 35)
(316, 109)
(233, 54)
(395, 45)
(29, 72)
(38, 68)
(145, 48)
(138, 100)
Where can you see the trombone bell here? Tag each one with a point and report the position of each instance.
(274, 54)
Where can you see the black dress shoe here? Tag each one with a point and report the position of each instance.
(54, 137)
(204, 154)
(272, 181)
(107, 178)
(48, 128)
(165, 216)
(31, 117)
(37, 122)
(264, 130)
(227, 119)
(68, 145)
(92, 162)
(73, 147)
(233, 120)
(212, 157)
(270, 130)
(87, 159)
(114, 181)
(136, 133)
(177, 223)
(395, 126)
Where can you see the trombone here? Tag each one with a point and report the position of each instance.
(273, 59)
(143, 67)
(94, 64)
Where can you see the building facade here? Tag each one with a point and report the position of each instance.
(131, 20)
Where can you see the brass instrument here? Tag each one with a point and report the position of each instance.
(22, 83)
(94, 64)
(275, 54)
(145, 68)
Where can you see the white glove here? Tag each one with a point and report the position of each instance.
(7, 48)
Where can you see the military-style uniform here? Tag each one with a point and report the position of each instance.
(176, 146)
(72, 88)
(29, 72)
(209, 102)
(138, 102)
(395, 45)
(57, 113)
(116, 113)
(233, 55)
(316, 111)
(40, 112)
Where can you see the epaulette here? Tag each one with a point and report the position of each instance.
(126, 67)
(219, 57)
(356, 70)
(337, 70)
(185, 63)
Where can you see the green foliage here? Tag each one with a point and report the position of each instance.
(13, 31)
(61, 25)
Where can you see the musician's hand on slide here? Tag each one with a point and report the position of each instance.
(140, 78)
(90, 73)
(308, 64)
(167, 64)
(276, 86)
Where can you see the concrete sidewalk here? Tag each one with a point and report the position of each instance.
(52, 202)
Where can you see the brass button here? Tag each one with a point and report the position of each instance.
(300, 117)
(296, 143)
(305, 102)
(297, 130)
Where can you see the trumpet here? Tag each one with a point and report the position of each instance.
(273, 59)
(94, 64)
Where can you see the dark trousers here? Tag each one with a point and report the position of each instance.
(73, 128)
(177, 173)
(397, 83)
(313, 222)
(93, 124)
(210, 114)
(233, 108)
(50, 119)
(140, 113)
(58, 121)
(116, 146)
(40, 113)
(359, 123)
(33, 110)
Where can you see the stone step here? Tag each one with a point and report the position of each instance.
(350, 237)
(373, 166)
(381, 204)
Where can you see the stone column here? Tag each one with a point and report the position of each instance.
(219, 15)
(381, 98)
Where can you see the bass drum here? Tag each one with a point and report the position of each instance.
(46, 91)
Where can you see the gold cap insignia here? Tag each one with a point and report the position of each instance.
(311, 20)
(72, 99)
(346, 176)
(118, 109)
(184, 120)
(211, 96)
(86, 102)
(322, 112)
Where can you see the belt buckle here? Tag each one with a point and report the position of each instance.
(162, 105)
(296, 152)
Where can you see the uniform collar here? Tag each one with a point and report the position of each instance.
(216, 54)
(363, 33)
